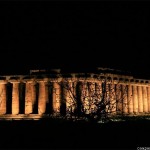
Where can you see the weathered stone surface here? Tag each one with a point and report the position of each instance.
(28, 98)
(140, 99)
(145, 102)
(2, 98)
(56, 98)
(135, 99)
(15, 98)
(42, 98)
(130, 99)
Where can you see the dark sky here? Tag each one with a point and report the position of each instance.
(74, 35)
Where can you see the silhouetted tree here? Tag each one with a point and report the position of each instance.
(95, 98)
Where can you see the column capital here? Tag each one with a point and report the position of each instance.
(3, 81)
(29, 81)
(69, 79)
(56, 80)
(40, 80)
(44, 79)
(14, 81)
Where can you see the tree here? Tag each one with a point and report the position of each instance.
(94, 98)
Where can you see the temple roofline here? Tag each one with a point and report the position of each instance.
(55, 73)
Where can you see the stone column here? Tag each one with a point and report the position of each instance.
(85, 97)
(112, 99)
(15, 96)
(43, 92)
(98, 93)
(145, 104)
(92, 96)
(135, 99)
(3, 97)
(124, 97)
(56, 98)
(70, 98)
(78, 90)
(148, 96)
(66, 96)
(46, 91)
(98, 90)
(130, 99)
(33, 93)
(28, 97)
(140, 101)
(107, 98)
(119, 98)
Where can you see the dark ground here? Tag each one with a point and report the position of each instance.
(66, 135)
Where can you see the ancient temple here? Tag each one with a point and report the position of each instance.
(44, 93)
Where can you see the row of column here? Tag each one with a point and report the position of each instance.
(117, 97)
(139, 99)
(31, 97)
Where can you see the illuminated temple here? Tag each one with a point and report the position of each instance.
(50, 93)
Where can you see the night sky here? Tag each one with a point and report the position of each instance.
(74, 35)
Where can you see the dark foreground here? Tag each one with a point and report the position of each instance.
(58, 134)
